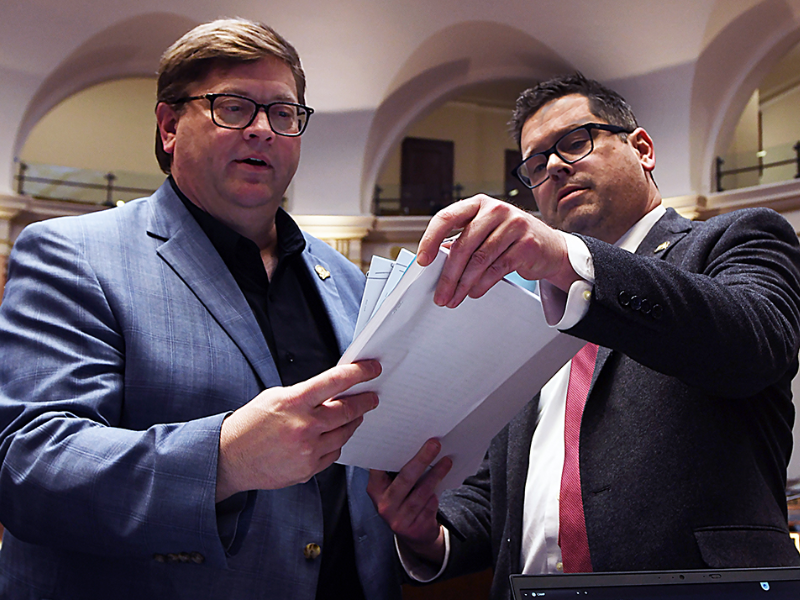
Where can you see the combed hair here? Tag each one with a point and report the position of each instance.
(606, 104)
(221, 42)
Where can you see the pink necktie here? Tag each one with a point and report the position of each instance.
(572, 525)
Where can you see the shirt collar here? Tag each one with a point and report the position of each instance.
(226, 240)
(633, 237)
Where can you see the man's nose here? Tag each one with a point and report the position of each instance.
(260, 125)
(557, 166)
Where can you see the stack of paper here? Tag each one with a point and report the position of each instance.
(457, 374)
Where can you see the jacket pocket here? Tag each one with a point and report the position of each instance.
(746, 546)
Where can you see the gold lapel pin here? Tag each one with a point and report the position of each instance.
(322, 272)
(661, 246)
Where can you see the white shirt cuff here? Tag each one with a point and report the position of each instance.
(421, 571)
(563, 310)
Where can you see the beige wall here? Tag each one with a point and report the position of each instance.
(743, 149)
(480, 137)
(781, 126)
(108, 127)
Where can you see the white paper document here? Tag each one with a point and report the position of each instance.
(457, 374)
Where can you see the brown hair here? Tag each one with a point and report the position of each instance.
(604, 103)
(224, 41)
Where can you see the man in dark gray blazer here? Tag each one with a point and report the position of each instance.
(687, 430)
(170, 408)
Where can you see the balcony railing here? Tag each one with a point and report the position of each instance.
(392, 200)
(780, 163)
(53, 182)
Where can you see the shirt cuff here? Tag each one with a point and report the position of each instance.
(419, 570)
(563, 310)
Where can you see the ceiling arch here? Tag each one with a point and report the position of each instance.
(728, 71)
(129, 48)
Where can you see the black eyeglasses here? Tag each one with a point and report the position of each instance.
(231, 111)
(570, 147)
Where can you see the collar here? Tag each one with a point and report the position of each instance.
(227, 241)
(633, 237)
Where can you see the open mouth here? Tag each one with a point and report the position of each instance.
(255, 162)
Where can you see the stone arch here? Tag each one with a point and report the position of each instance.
(130, 48)
(728, 71)
(451, 60)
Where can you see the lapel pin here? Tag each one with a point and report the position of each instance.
(661, 246)
(322, 272)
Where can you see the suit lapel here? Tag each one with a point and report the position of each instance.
(188, 251)
(664, 235)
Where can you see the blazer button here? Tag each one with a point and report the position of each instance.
(312, 551)
(646, 308)
(636, 302)
(656, 311)
(624, 298)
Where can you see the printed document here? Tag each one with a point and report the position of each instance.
(456, 374)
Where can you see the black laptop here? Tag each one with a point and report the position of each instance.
(778, 583)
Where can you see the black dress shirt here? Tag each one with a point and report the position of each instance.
(300, 337)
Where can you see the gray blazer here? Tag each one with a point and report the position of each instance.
(687, 430)
(125, 341)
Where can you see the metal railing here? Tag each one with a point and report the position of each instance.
(390, 201)
(56, 183)
(760, 167)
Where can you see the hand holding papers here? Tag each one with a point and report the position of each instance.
(459, 374)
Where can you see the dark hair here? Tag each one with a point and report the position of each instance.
(606, 104)
(220, 42)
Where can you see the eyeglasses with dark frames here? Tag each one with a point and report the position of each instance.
(232, 111)
(571, 147)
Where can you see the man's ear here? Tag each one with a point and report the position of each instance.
(642, 144)
(167, 119)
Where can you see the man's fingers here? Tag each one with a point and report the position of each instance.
(414, 469)
(417, 510)
(341, 412)
(473, 260)
(336, 381)
(337, 434)
(377, 484)
(442, 225)
(475, 251)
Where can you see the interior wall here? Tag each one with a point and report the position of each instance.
(780, 119)
(661, 101)
(328, 179)
(107, 127)
(743, 148)
(480, 138)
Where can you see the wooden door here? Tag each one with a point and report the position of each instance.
(426, 175)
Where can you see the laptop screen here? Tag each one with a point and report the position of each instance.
(779, 583)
